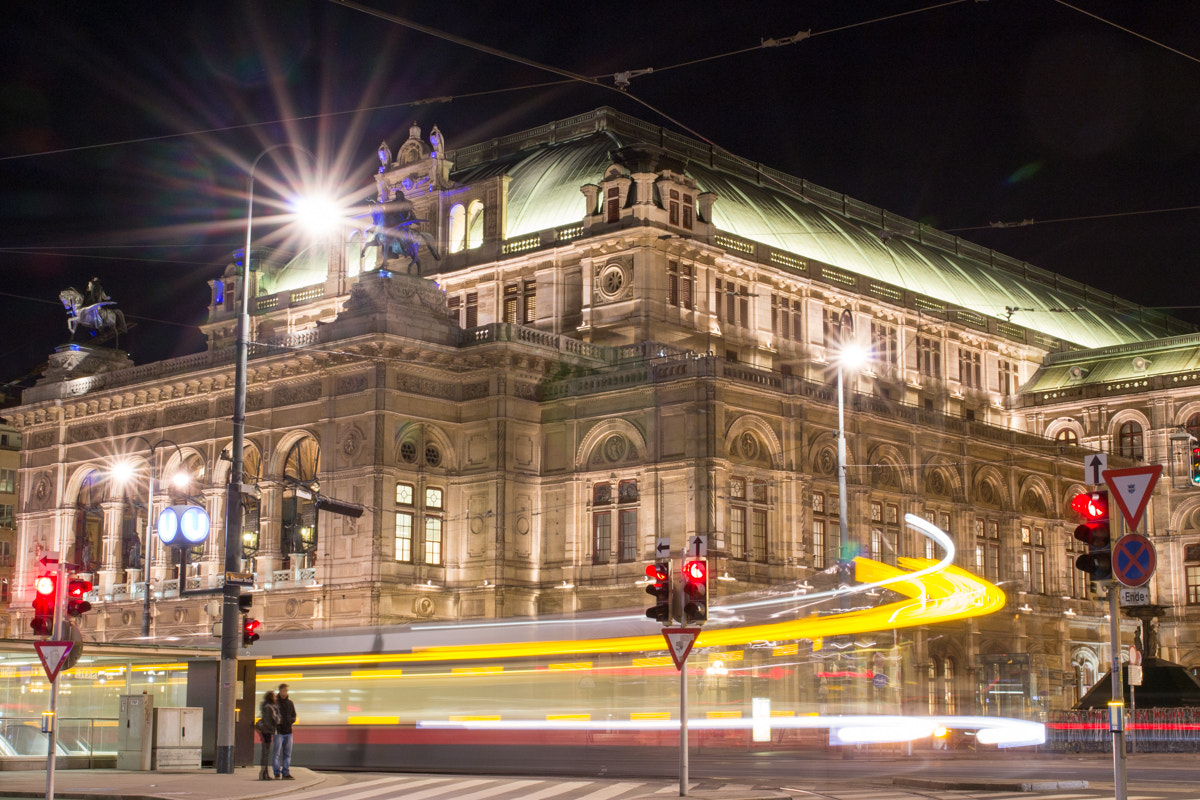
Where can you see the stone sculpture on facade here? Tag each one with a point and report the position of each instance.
(96, 310)
(395, 232)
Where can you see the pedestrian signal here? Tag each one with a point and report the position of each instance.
(1095, 533)
(659, 574)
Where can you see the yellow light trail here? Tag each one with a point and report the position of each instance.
(930, 597)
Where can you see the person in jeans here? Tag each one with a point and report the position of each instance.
(268, 724)
(282, 743)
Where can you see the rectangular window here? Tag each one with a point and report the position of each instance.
(876, 511)
(1027, 569)
(433, 499)
(737, 532)
(929, 357)
(744, 307)
(731, 303)
(433, 540)
(687, 211)
(601, 536)
(717, 302)
(472, 310)
(885, 346)
(628, 534)
(979, 568)
(781, 317)
(877, 544)
(970, 368)
(991, 565)
(1039, 572)
(510, 303)
(818, 544)
(673, 218)
(404, 536)
(1192, 578)
(404, 494)
(1026, 534)
(1007, 377)
(530, 306)
(613, 204)
(454, 306)
(759, 531)
(673, 283)
(831, 326)
(685, 286)
(8, 481)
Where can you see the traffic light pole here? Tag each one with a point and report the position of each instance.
(683, 730)
(58, 628)
(1116, 707)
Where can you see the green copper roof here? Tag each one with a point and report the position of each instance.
(1110, 365)
(547, 166)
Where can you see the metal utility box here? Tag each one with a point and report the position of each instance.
(135, 729)
(178, 736)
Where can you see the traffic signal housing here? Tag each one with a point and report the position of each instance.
(695, 591)
(1195, 472)
(76, 589)
(659, 574)
(250, 625)
(1095, 533)
(45, 590)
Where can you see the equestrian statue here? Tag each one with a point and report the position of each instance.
(95, 310)
(395, 232)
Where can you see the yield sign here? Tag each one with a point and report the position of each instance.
(53, 656)
(1131, 489)
(679, 643)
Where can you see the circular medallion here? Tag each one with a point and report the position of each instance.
(615, 448)
(612, 281)
(523, 525)
(423, 607)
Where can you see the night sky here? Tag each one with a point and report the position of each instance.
(127, 127)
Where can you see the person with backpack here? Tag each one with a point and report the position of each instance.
(268, 723)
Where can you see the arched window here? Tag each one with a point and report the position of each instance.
(89, 524)
(1068, 437)
(298, 533)
(932, 687)
(1193, 426)
(474, 224)
(1129, 441)
(949, 705)
(458, 228)
(251, 475)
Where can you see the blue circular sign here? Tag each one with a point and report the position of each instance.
(1133, 559)
(880, 680)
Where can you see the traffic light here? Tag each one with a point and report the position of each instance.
(659, 574)
(76, 589)
(695, 591)
(1195, 473)
(1095, 533)
(249, 626)
(45, 589)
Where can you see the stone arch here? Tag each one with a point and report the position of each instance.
(75, 483)
(822, 450)
(1186, 516)
(274, 468)
(1035, 486)
(1122, 417)
(422, 435)
(220, 470)
(1185, 412)
(589, 447)
(757, 427)
(1060, 424)
(940, 468)
(890, 457)
(990, 485)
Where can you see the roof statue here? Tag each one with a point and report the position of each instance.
(95, 310)
(395, 232)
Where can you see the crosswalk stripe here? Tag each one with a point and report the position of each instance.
(321, 791)
(555, 789)
(611, 790)
(498, 787)
(428, 793)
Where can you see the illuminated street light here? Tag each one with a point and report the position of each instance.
(317, 213)
(230, 625)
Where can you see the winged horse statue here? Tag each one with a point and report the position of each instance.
(96, 311)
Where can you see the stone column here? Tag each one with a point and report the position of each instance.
(110, 564)
(270, 521)
(212, 563)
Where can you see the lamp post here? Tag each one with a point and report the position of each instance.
(850, 356)
(150, 525)
(227, 694)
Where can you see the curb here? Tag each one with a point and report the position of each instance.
(988, 786)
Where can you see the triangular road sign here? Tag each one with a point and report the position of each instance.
(1131, 489)
(679, 643)
(53, 656)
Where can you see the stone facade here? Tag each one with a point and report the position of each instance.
(595, 359)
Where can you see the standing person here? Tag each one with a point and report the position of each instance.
(282, 751)
(267, 725)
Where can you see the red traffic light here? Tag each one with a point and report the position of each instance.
(45, 585)
(1091, 505)
(695, 571)
(657, 572)
(250, 631)
(76, 589)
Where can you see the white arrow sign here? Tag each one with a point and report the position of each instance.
(662, 547)
(1093, 468)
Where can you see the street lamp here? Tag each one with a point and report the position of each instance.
(850, 356)
(123, 471)
(230, 618)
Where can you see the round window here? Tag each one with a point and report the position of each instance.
(408, 452)
(433, 456)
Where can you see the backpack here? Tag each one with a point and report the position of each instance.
(266, 723)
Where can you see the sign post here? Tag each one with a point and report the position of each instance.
(679, 644)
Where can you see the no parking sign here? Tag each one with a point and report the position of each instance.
(1133, 559)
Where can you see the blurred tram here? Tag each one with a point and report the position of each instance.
(798, 667)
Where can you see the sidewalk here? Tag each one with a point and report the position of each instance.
(196, 784)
